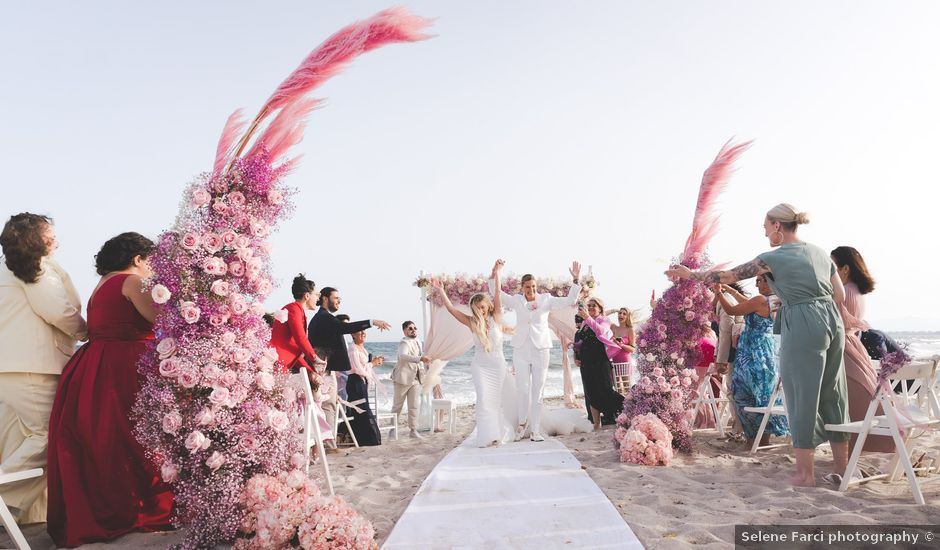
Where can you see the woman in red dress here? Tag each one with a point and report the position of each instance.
(289, 337)
(101, 484)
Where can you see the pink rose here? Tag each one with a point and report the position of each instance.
(676, 394)
(212, 372)
(281, 316)
(278, 420)
(236, 198)
(228, 238)
(215, 461)
(687, 302)
(216, 354)
(168, 472)
(219, 395)
(242, 241)
(190, 241)
(170, 367)
(690, 315)
(296, 478)
(229, 378)
(264, 287)
(160, 294)
(187, 378)
(674, 381)
(664, 387)
(244, 254)
(259, 228)
(253, 267)
(271, 354)
(219, 185)
(172, 422)
(275, 196)
(264, 364)
(657, 371)
(189, 312)
(265, 381)
(166, 347)
(250, 443)
(237, 269)
(686, 381)
(220, 207)
(680, 361)
(238, 395)
(205, 417)
(201, 197)
(660, 380)
(265, 247)
(238, 305)
(256, 308)
(228, 338)
(220, 287)
(197, 441)
(298, 460)
(212, 243)
(217, 320)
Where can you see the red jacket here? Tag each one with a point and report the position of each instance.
(290, 338)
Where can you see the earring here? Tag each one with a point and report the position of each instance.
(778, 242)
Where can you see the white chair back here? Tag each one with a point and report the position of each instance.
(9, 522)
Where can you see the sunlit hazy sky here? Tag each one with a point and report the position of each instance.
(537, 131)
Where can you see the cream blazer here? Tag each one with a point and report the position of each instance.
(409, 369)
(39, 322)
(532, 317)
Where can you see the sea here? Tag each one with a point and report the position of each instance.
(458, 386)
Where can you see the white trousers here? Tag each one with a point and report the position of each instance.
(531, 366)
(411, 393)
(25, 404)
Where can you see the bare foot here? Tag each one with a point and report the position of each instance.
(597, 427)
(799, 481)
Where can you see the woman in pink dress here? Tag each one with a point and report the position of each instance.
(624, 336)
(860, 374)
(101, 483)
(706, 345)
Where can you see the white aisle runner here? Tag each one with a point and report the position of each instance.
(520, 495)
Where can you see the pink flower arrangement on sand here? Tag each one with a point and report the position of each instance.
(461, 287)
(215, 412)
(289, 511)
(647, 442)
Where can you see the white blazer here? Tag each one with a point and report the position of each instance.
(39, 322)
(409, 369)
(532, 317)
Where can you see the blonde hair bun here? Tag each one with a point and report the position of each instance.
(801, 218)
(786, 213)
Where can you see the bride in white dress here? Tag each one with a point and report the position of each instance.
(488, 366)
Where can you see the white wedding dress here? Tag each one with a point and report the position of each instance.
(495, 404)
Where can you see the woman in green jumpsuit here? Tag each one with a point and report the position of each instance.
(812, 337)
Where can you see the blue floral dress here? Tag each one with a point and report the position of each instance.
(752, 379)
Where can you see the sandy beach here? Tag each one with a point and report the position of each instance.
(694, 503)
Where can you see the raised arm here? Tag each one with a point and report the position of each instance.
(462, 317)
(732, 291)
(747, 270)
(756, 304)
(497, 296)
(572, 298)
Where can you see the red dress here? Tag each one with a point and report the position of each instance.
(290, 338)
(101, 485)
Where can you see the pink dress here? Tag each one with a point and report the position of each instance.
(860, 374)
(703, 416)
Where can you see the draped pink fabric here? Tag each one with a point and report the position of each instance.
(447, 339)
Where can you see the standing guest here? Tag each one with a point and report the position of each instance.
(592, 342)
(289, 337)
(361, 375)
(624, 336)
(704, 418)
(40, 321)
(860, 375)
(531, 345)
(812, 336)
(408, 374)
(755, 365)
(326, 331)
(101, 483)
(728, 329)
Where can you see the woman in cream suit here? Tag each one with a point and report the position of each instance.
(40, 321)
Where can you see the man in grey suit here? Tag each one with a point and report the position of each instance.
(408, 374)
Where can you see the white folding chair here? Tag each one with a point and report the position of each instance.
(19, 541)
(445, 406)
(340, 415)
(380, 418)
(622, 381)
(768, 410)
(902, 417)
(717, 405)
(312, 436)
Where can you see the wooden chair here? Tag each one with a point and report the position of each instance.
(19, 541)
(903, 416)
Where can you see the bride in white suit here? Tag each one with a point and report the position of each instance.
(488, 366)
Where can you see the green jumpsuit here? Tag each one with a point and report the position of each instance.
(812, 339)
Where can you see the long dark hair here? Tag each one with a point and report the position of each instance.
(118, 253)
(23, 244)
(858, 271)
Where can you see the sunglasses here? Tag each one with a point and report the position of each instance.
(412, 328)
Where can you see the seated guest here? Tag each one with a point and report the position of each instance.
(360, 377)
(860, 375)
(592, 342)
(624, 336)
(40, 321)
(706, 347)
(101, 483)
(289, 337)
(755, 364)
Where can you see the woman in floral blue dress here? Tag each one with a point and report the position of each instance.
(755, 367)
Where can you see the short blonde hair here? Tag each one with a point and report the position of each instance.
(598, 301)
(788, 216)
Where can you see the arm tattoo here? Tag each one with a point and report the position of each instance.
(743, 271)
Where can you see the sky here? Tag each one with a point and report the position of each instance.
(539, 132)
